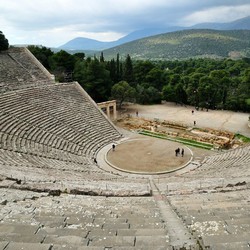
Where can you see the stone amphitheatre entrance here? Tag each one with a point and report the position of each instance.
(148, 156)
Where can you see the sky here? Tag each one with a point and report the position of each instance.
(52, 23)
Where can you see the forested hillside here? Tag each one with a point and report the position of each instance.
(204, 82)
(187, 44)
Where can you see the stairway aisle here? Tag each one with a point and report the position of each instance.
(180, 237)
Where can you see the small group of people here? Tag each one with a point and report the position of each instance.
(178, 151)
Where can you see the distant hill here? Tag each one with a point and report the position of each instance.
(186, 44)
(81, 43)
(240, 24)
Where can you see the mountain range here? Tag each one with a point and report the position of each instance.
(83, 44)
(185, 44)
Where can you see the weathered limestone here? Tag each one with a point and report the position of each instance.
(55, 196)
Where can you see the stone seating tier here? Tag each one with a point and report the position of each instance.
(80, 222)
(48, 116)
(20, 69)
(219, 220)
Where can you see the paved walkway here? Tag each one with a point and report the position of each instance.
(236, 122)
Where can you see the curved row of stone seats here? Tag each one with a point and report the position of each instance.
(234, 163)
(218, 220)
(20, 72)
(213, 199)
(36, 221)
(217, 173)
(46, 112)
(37, 173)
(15, 143)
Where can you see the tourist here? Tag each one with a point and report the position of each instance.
(113, 147)
(176, 152)
(182, 152)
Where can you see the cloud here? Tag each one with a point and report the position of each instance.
(218, 14)
(54, 22)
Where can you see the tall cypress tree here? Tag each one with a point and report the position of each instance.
(128, 74)
(118, 76)
(101, 57)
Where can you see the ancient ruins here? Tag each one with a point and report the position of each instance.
(58, 193)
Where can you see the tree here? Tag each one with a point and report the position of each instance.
(122, 91)
(79, 56)
(169, 93)
(102, 57)
(128, 74)
(146, 94)
(63, 60)
(4, 44)
(94, 78)
(43, 54)
(118, 69)
(155, 78)
(207, 92)
(141, 70)
(62, 64)
(111, 66)
(180, 93)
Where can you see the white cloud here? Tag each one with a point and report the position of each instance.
(217, 14)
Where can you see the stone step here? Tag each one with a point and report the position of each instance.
(27, 246)
(213, 240)
(232, 246)
(141, 232)
(113, 241)
(70, 240)
(63, 232)
(22, 238)
(15, 229)
(152, 242)
(51, 221)
(69, 247)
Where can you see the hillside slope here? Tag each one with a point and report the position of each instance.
(82, 43)
(186, 44)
